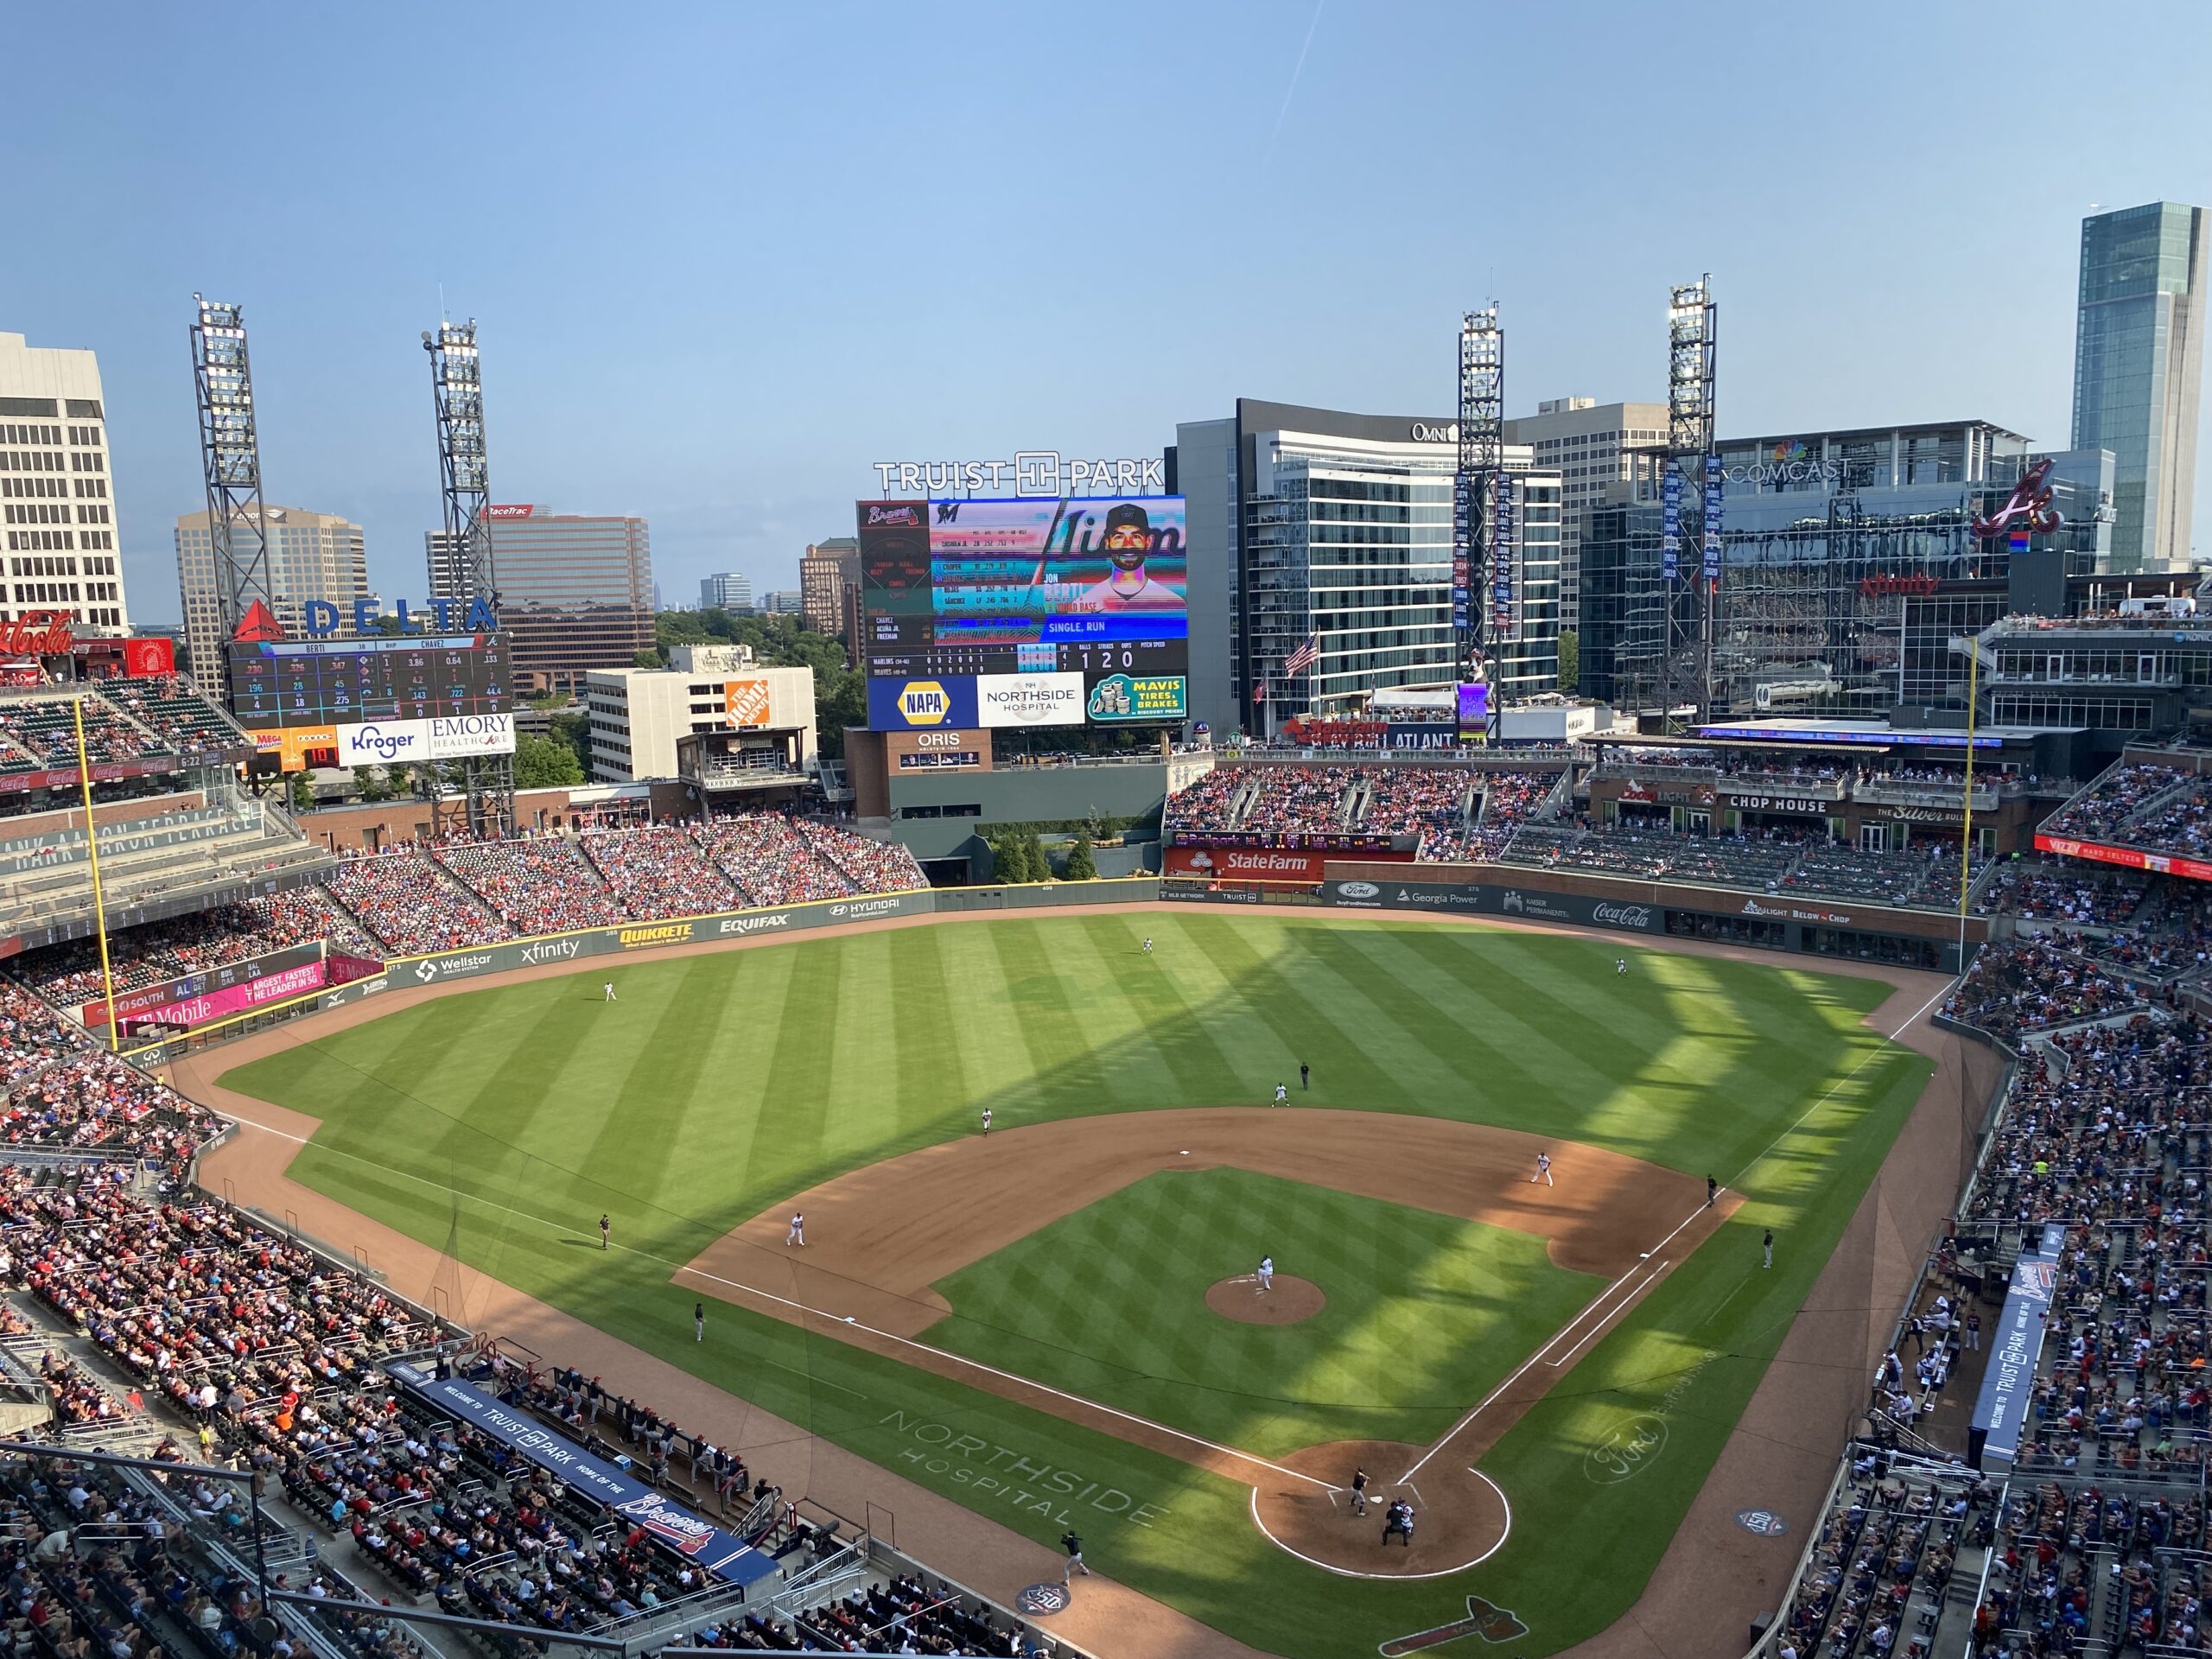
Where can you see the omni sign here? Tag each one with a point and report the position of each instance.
(1432, 432)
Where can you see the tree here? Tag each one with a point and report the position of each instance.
(575, 730)
(371, 783)
(649, 659)
(1081, 865)
(1040, 867)
(1570, 660)
(545, 763)
(301, 789)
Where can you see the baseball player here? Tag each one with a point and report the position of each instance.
(1543, 1170)
(1267, 1274)
(698, 1321)
(798, 1234)
(1766, 1246)
(1620, 964)
(1148, 947)
(1359, 1491)
(1712, 1191)
(609, 988)
(1073, 1545)
(605, 1228)
(987, 1122)
(1282, 1093)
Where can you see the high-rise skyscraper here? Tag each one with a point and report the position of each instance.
(55, 490)
(2139, 369)
(441, 551)
(727, 591)
(311, 556)
(575, 592)
(1593, 448)
(824, 571)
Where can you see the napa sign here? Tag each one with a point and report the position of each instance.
(320, 618)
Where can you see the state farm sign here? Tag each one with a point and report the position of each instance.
(1245, 863)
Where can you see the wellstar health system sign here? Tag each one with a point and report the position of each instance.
(1031, 472)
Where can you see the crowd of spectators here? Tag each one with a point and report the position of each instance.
(408, 903)
(771, 861)
(660, 871)
(2019, 986)
(192, 945)
(1882, 1562)
(1427, 802)
(538, 884)
(871, 865)
(171, 707)
(2038, 890)
(2111, 808)
(62, 1090)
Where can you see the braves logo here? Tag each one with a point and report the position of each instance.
(2028, 509)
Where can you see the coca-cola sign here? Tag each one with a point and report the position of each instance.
(37, 634)
(1608, 915)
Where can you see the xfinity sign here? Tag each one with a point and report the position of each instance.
(1032, 472)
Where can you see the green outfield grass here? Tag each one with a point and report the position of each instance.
(1427, 1314)
(498, 1124)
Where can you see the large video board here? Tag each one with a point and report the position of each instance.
(1026, 611)
(277, 683)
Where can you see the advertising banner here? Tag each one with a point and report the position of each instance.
(1140, 697)
(899, 705)
(1524, 904)
(145, 999)
(291, 745)
(673, 1527)
(1670, 524)
(387, 743)
(511, 954)
(1712, 518)
(1244, 863)
(2133, 858)
(211, 1006)
(1054, 699)
(1303, 841)
(1422, 736)
(2001, 1408)
(744, 704)
(453, 736)
(148, 657)
(1474, 712)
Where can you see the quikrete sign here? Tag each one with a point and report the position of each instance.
(321, 619)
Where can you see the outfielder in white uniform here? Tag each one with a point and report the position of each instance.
(1543, 1170)
(1266, 1274)
(609, 988)
(1282, 1093)
(798, 1234)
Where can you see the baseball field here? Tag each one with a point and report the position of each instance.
(1061, 1325)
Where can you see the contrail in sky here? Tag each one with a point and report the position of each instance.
(1298, 70)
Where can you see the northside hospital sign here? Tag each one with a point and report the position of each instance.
(1031, 472)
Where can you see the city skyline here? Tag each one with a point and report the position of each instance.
(658, 365)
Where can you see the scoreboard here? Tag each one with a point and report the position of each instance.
(275, 684)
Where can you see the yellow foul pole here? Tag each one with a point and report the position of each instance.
(100, 901)
(1966, 804)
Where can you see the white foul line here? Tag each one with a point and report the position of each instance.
(1558, 1336)
(1627, 1302)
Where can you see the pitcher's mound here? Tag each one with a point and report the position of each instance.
(1241, 1298)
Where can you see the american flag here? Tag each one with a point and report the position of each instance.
(1259, 692)
(1304, 656)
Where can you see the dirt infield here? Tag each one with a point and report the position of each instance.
(1290, 1300)
(1713, 1578)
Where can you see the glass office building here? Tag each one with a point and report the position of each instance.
(1848, 565)
(1309, 522)
(2139, 369)
(575, 593)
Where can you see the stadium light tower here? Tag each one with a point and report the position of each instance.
(230, 458)
(465, 475)
(1483, 609)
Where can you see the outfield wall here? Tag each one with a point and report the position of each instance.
(1923, 939)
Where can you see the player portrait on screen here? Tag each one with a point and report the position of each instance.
(1130, 541)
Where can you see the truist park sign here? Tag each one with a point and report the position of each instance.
(1032, 472)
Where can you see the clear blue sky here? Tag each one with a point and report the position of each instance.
(723, 256)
